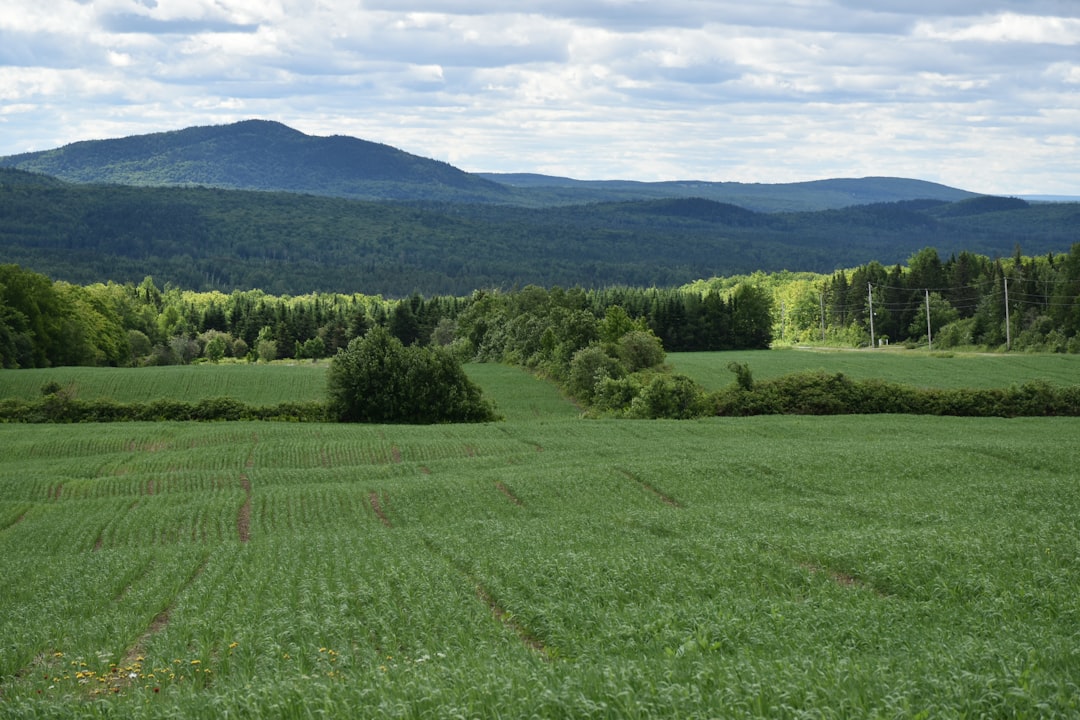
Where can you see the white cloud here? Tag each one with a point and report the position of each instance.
(974, 93)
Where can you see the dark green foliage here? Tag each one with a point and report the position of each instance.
(744, 378)
(588, 368)
(821, 393)
(676, 397)
(378, 379)
(284, 243)
(639, 350)
(61, 407)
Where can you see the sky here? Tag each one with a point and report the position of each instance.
(978, 94)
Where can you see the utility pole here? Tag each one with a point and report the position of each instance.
(1008, 325)
(783, 319)
(870, 294)
(821, 299)
(929, 334)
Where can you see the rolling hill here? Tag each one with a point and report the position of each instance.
(289, 243)
(265, 155)
(260, 155)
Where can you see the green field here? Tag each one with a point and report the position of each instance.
(301, 382)
(543, 566)
(922, 369)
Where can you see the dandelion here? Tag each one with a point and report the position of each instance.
(233, 645)
(196, 662)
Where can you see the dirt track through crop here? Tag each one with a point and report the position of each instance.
(243, 517)
(14, 522)
(508, 493)
(160, 620)
(505, 618)
(842, 578)
(508, 622)
(666, 499)
(376, 505)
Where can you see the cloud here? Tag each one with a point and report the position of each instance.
(974, 93)
(137, 23)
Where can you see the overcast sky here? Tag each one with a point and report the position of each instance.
(978, 94)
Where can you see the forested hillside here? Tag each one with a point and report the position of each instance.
(204, 238)
(260, 155)
(263, 155)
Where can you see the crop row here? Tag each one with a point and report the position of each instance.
(768, 566)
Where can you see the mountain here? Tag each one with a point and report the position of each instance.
(265, 155)
(290, 243)
(260, 155)
(762, 197)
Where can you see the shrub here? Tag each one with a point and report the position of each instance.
(669, 396)
(588, 367)
(377, 379)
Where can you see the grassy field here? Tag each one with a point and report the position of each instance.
(305, 381)
(254, 384)
(922, 369)
(543, 566)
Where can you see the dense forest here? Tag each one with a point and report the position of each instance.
(1024, 303)
(284, 243)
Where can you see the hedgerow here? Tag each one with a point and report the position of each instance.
(60, 409)
(821, 393)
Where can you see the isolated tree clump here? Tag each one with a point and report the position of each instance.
(378, 379)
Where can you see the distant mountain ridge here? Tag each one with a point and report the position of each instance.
(259, 155)
(293, 243)
(763, 197)
(270, 156)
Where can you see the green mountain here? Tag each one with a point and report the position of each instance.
(762, 197)
(260, 155)
(288, 243)
(264, 155)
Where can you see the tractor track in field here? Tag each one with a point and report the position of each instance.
(508, 621)
(138, 648)
(13, 523)
(243, 516)
(504, 617)
(842, 578)
(508, 493)
(377, 507)
(664, 498)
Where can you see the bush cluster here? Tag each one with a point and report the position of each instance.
(378, 379)
(821, 393)
(60, 408)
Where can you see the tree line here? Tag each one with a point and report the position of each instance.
(965, 300)
(45, 323)
(606, 348)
